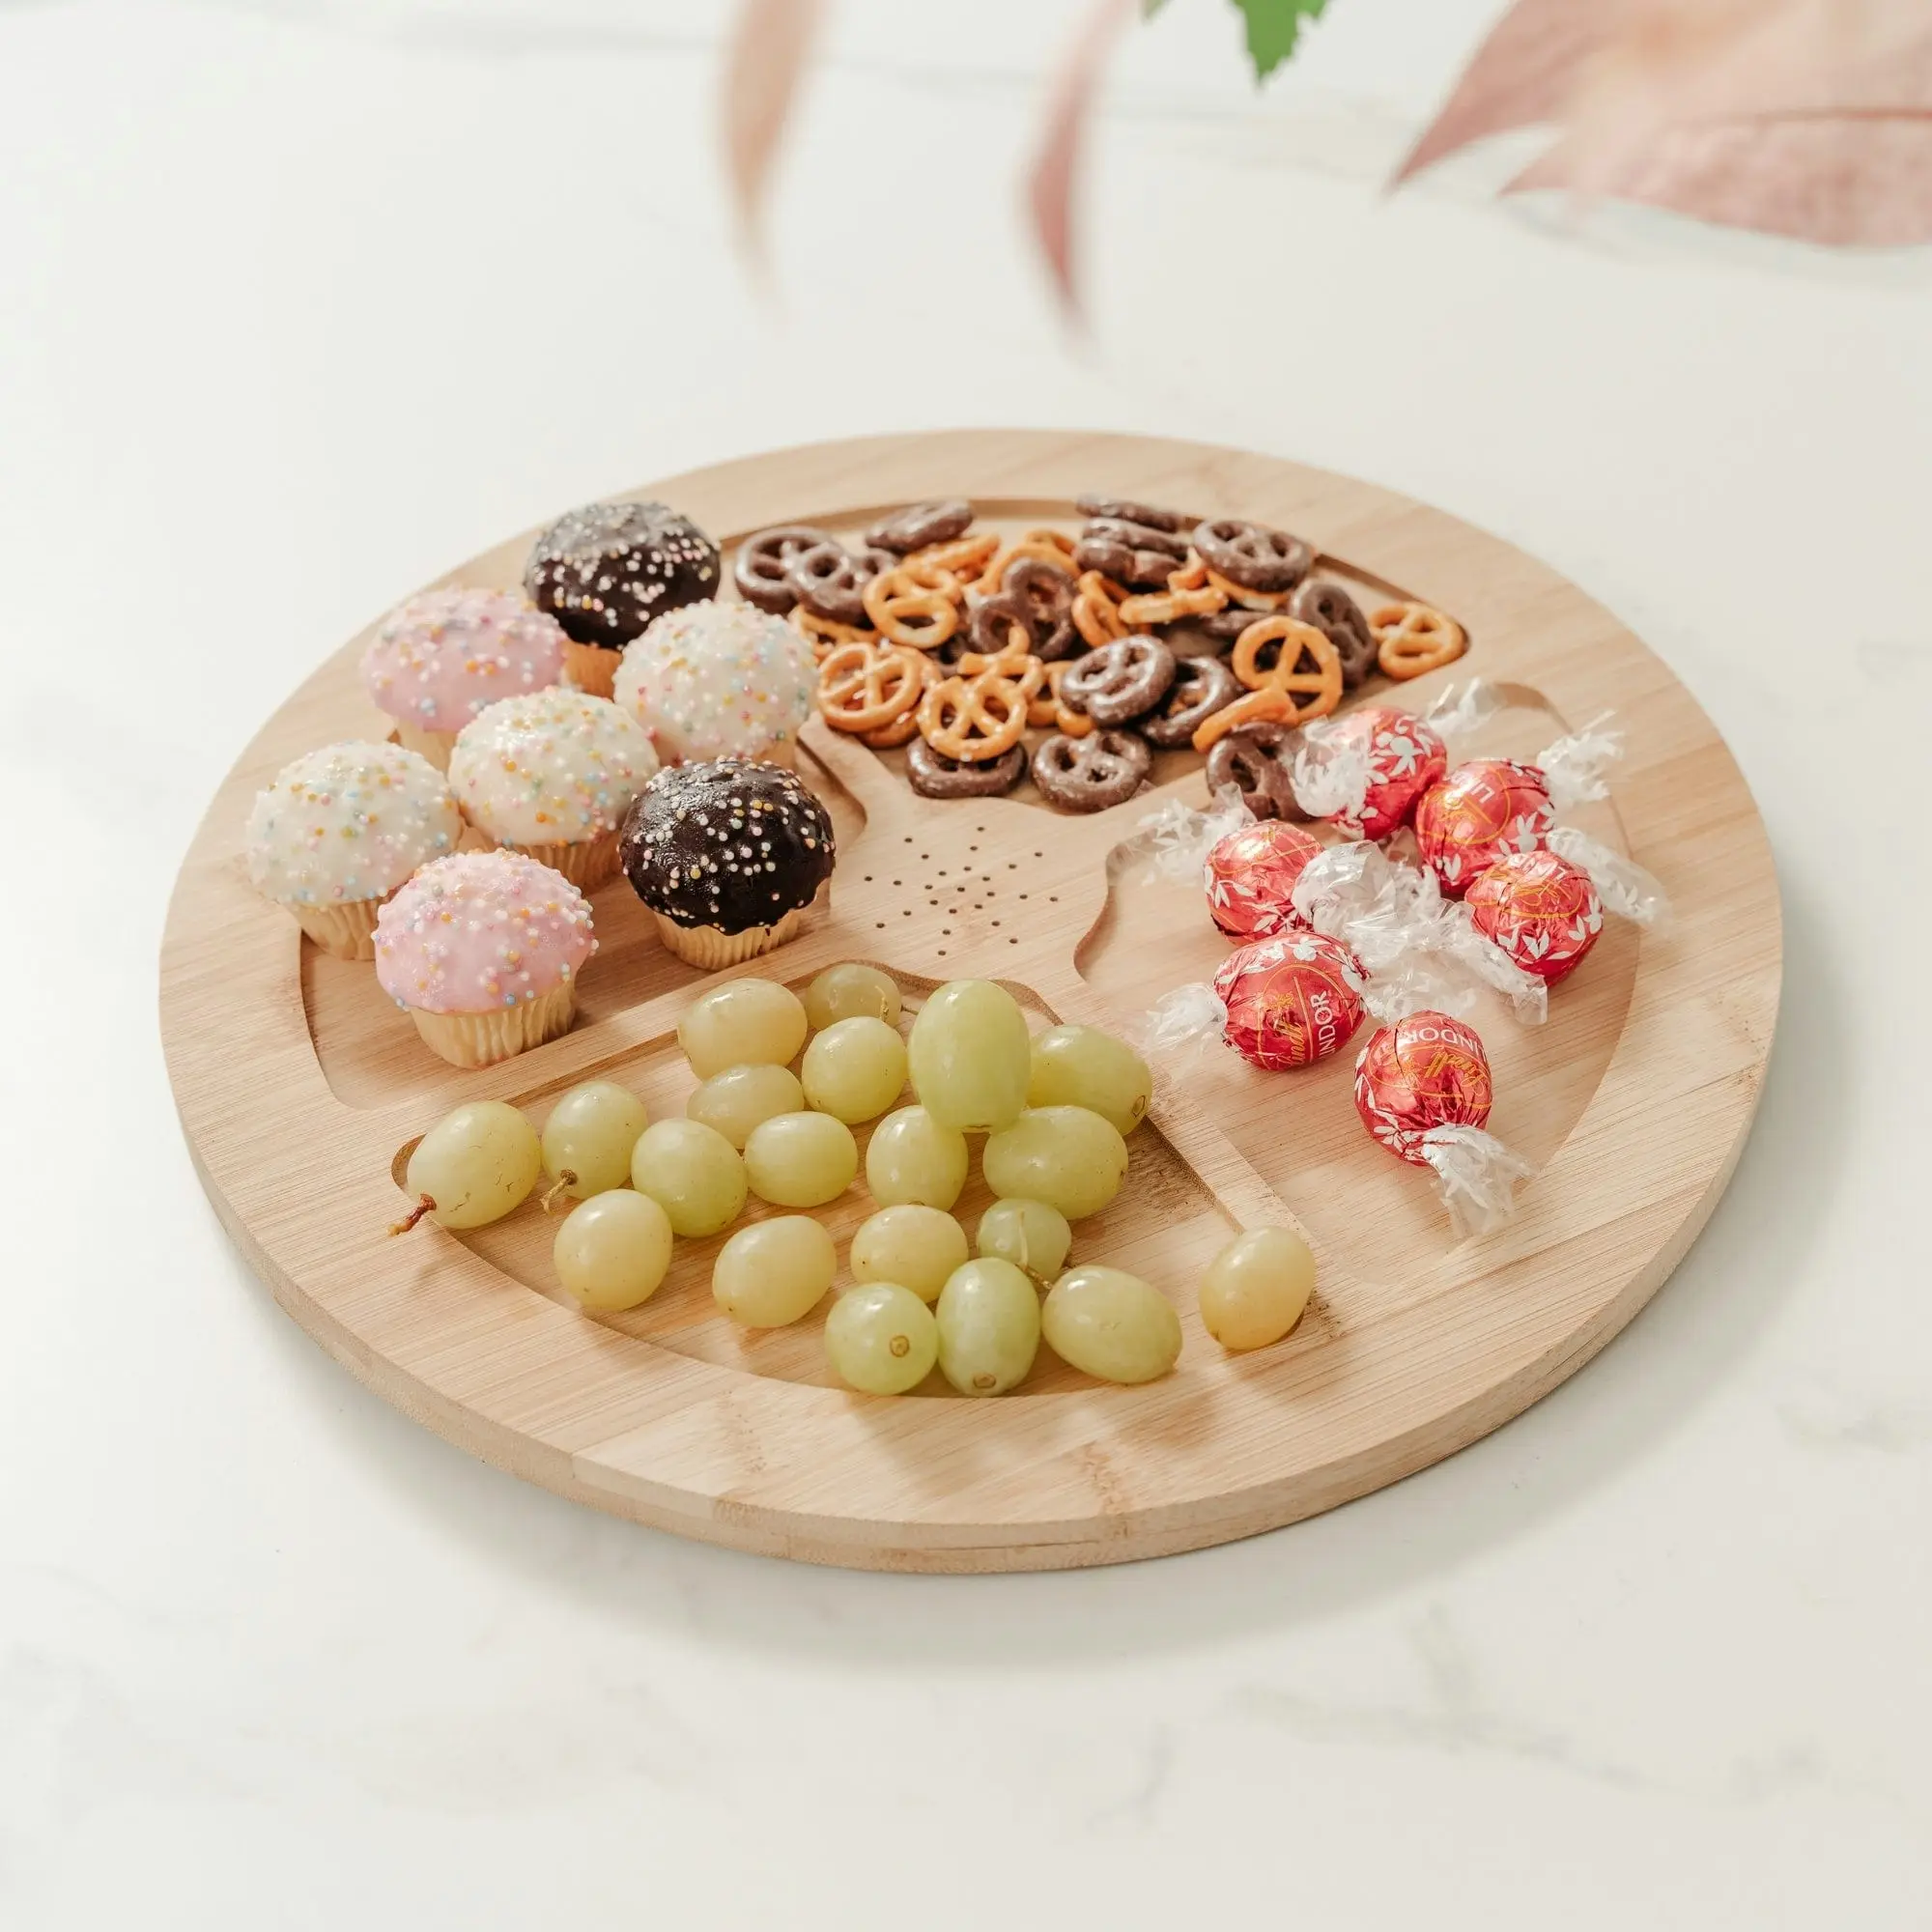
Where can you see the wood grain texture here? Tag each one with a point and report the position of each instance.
(299, 1085)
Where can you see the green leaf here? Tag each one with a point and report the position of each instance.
(1273, 28)
(1149, 8)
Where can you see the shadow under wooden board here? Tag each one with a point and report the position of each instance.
(299, 1085)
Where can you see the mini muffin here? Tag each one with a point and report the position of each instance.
(340, 830)
(605, 571)
(482, 950)
(719, 681)
(439, 659)
(728, 855)
(553, 775)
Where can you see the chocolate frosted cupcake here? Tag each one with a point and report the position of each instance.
(605, 571)
(728, 855)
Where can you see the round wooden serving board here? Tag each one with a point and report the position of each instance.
(301, 1087)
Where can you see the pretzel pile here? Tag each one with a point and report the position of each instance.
(963, 641)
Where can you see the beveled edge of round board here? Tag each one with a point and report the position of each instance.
(605, 1418)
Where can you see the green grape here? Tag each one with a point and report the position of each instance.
(851, 993)
(1034, 1237)
(801, 1160)
(1066, 1156)
(918, 1247)
(970, 1057)
(1082, 1067)
(1255, 1289)
(741, 1023)
(854, 1070)
(881, 1338)
(1109, 1324)
(737, 1100)
(475, 1164)
(589, 1136)
(774, 1271)
(912, 1158)
(691, 1172)
(613, 1250)
(988, 1326)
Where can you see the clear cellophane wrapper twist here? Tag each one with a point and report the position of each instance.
(1416, 948)
(1424, 1091)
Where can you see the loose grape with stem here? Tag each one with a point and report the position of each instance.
(476, 1164)
(588, 1138)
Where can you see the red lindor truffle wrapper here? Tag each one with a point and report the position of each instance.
(1250, 877)
(1482, 812)
(1290, 999)
(1426, 1070)
(1540, 909)
(1405, 756)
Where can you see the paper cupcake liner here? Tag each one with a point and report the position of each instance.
(435, 746)
(587, 863)
(346, 928)
(590, 668)
(711, 947)
(480, 1039)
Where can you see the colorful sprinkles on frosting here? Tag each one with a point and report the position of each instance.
(348, 822)
(609, 568)
(730, 844)
(448, 655)
(718, 681)
(555, 768)
(479, 930)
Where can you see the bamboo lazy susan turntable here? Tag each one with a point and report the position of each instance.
(301, 1087)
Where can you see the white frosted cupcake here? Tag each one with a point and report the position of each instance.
(719, 681)
(340, 830)
(437, 661)
(553, 775)
(482, 950)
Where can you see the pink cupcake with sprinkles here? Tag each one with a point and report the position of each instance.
(437, 661)
(719, 681)
(553, 775)
(482, 950)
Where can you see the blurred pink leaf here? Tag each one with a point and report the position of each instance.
(1050, 185)
(1805, 118)
(1847, 181)
(771, 43)
(1522, 75)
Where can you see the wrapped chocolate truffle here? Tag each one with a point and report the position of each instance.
(1486, 809)
(1250, 875)
(1423, 1089)
(1365, 771)
(1280, 1003)
(1544, 910)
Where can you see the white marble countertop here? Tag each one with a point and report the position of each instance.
(300, 302)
